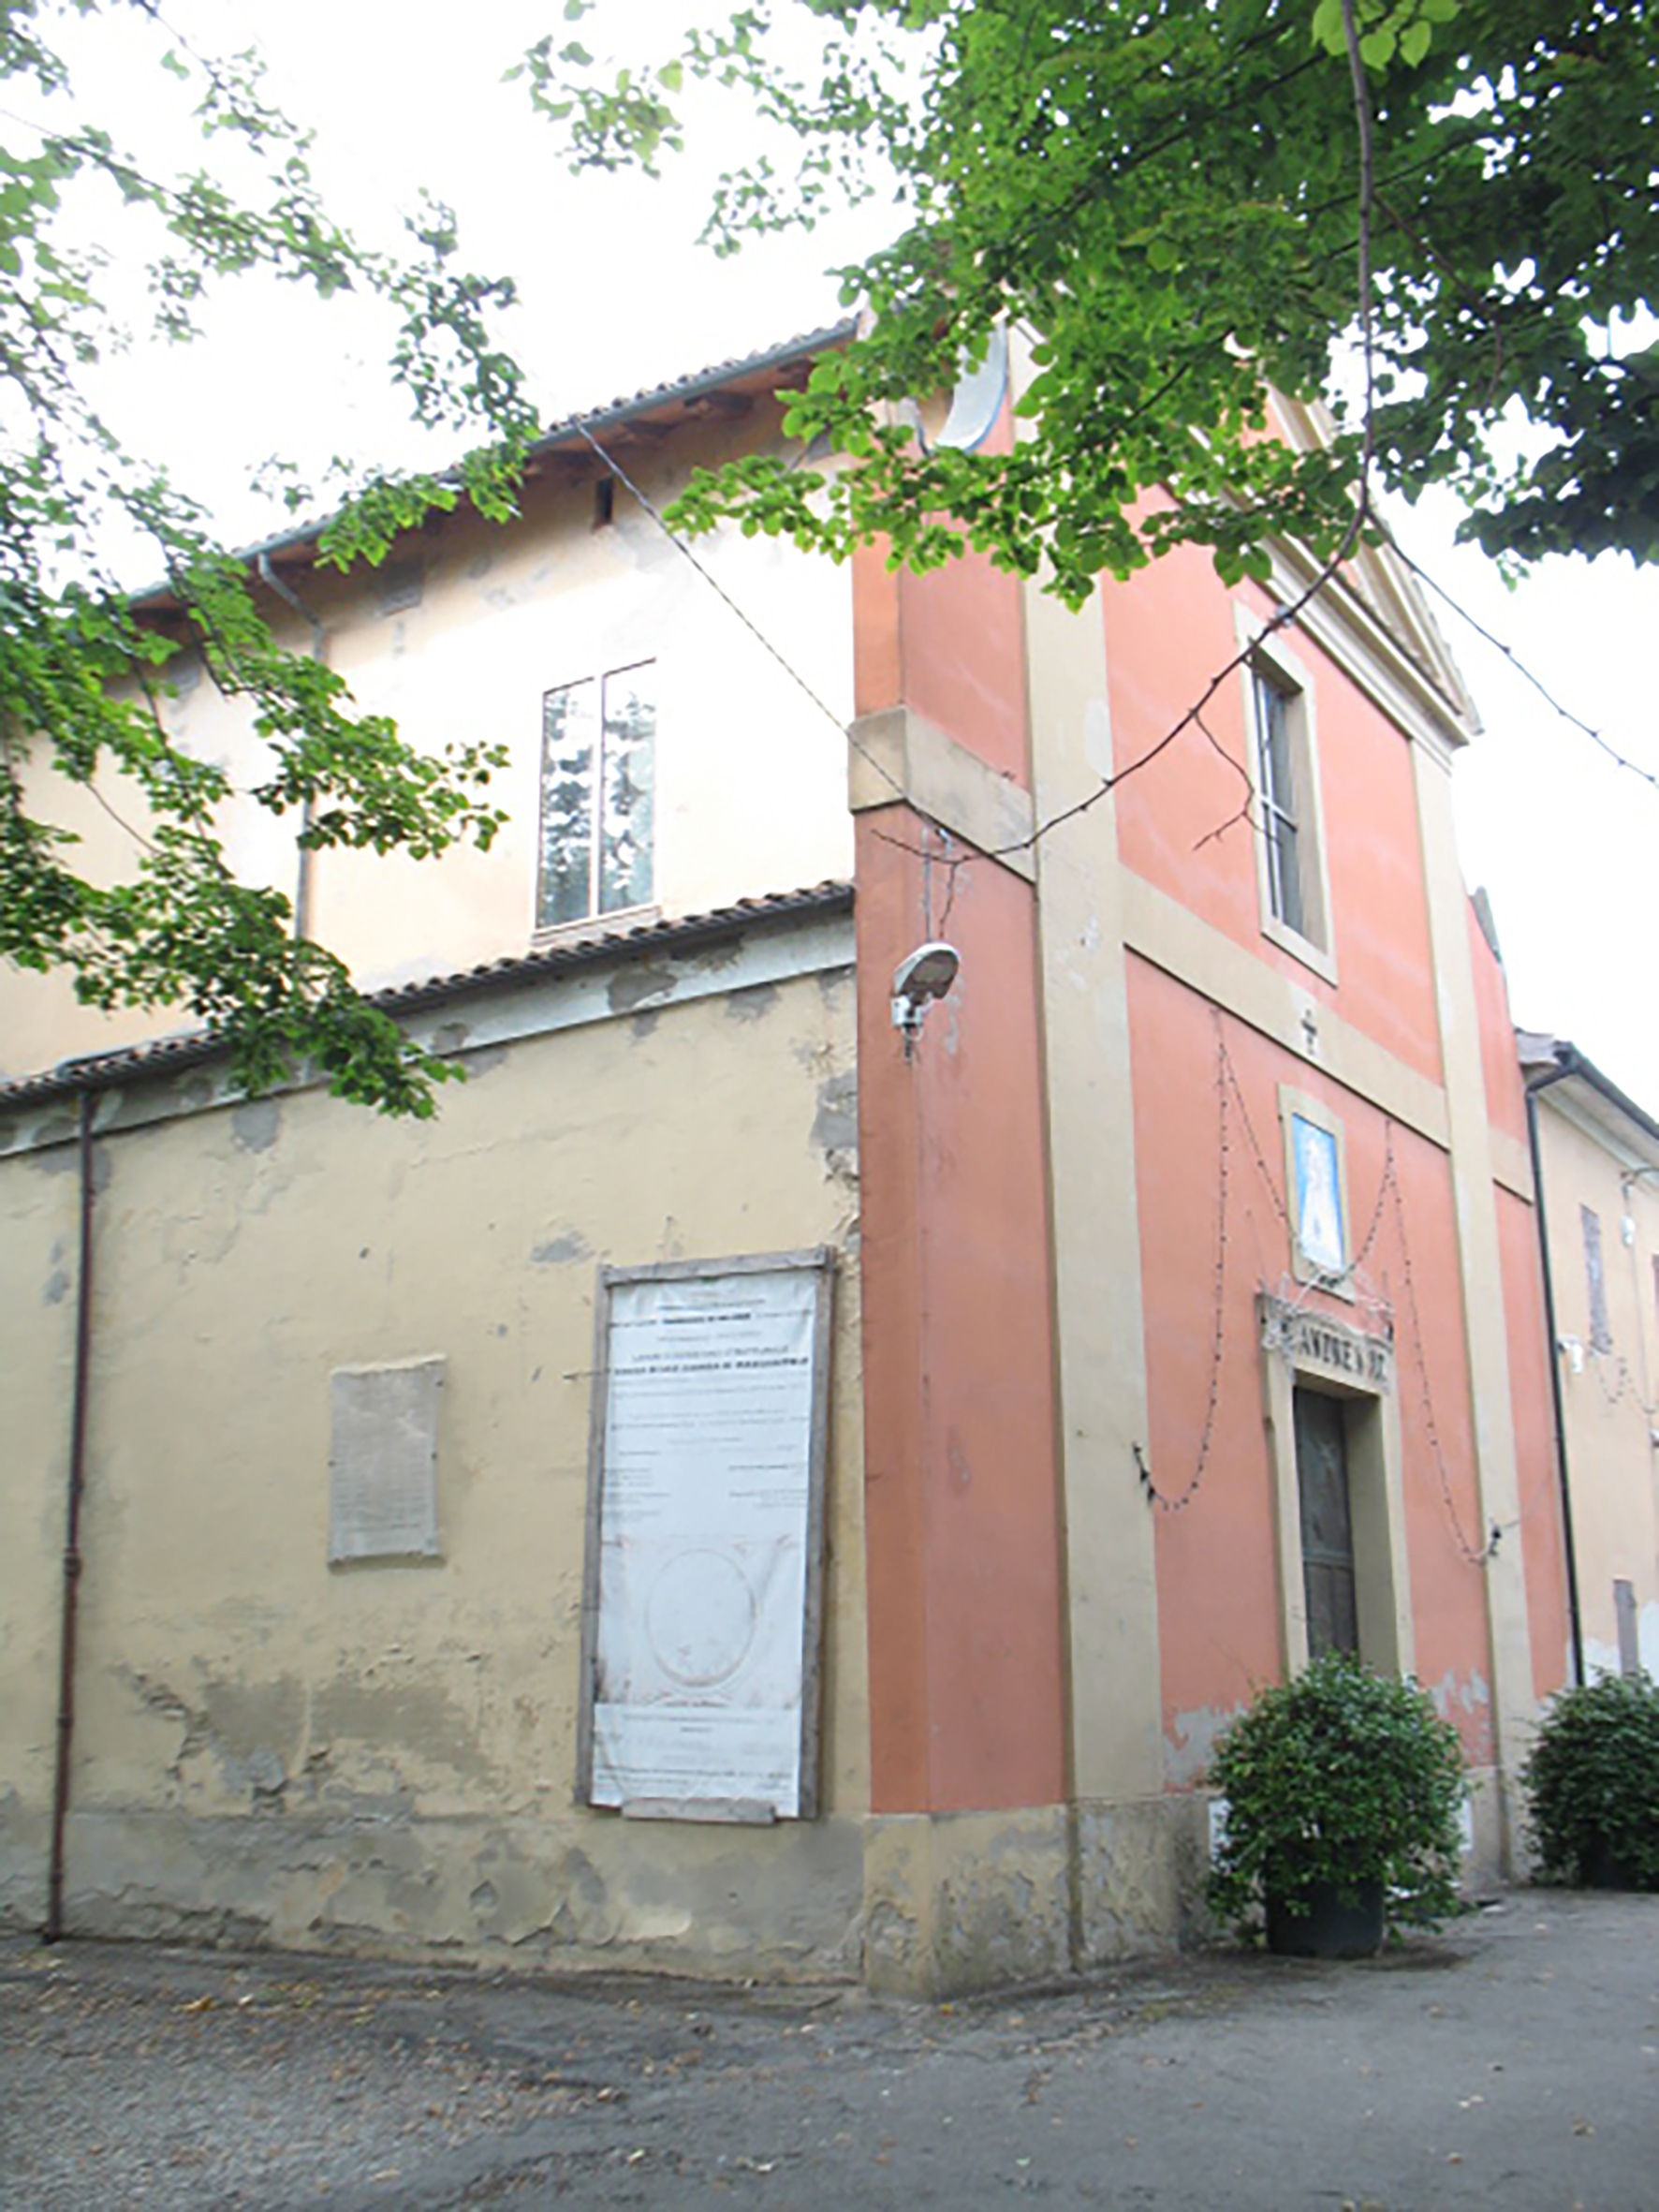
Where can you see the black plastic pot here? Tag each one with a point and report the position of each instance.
(1332, 1925)
(1602, 1869)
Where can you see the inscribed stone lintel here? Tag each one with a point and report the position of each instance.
(1318, 1346)
(383, 1453)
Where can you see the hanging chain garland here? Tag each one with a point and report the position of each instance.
(1154, 1495)
(1389, 1200)
(1624, 1387)
(1477, 1557)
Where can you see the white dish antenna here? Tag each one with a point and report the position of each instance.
(977, 399)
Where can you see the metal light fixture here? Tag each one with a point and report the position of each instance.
(925, 975)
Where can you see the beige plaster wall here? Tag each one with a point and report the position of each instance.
(750, 773)
(1609, 1405)
(37, 1266)
(382, 1757)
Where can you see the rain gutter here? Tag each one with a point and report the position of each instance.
(1569, 1064)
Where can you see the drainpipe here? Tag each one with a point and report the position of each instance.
(65, 1731)
(1574, 1618)
(302, 885)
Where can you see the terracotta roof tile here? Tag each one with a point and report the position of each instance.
(164, 1055)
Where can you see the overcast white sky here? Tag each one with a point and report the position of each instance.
(616, 295)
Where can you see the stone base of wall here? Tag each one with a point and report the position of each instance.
(961, 1901)
(588, 1893)
(1498, 1851)
(913, 1904)
(25, 1846)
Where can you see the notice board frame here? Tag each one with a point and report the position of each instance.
(819, 1260)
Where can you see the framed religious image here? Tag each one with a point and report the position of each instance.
(1318, 1196)
(1316, 1184)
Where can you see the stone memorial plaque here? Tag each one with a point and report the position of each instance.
(383, 1462)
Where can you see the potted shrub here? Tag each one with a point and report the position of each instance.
(1343, 1791)
(1593, 1785)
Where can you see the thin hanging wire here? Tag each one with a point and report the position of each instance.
(1475, 1555)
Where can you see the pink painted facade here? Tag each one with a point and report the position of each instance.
(962, 1502)
(1392, 1032)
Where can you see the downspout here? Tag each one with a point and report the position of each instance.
(290, 597)
(1574, 1618)
(65, 1729)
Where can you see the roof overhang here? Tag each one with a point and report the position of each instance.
(1558, 1073)
(728, 387)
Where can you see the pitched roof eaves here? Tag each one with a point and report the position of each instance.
(169, 1056)
(681, 392)
(1559, 1061)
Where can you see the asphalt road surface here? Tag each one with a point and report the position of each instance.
(1513, 2061)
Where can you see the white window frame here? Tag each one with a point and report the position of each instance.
(595, 913)
(1272, 664)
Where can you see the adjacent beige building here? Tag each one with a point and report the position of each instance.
(1598, 1171)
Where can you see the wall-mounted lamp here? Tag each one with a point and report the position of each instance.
(927, 974)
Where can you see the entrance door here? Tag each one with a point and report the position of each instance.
(1328, 1527)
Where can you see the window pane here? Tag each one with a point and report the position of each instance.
(1279, 784)
(569, 719)
(1285, 874)
(625, 826)
(1276, 779)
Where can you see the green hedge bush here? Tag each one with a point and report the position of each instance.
(1592, 1784)
(1341, 1776)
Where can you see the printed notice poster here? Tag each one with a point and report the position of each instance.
(705, 1540)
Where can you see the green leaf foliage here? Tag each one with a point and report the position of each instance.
(1592, 1783)
(85, 676)
(1342, 1776)
(1166, 197)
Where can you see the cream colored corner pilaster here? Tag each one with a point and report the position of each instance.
(1115, 1720)
(956, 1901)
(1472, 1173)
(899, 754)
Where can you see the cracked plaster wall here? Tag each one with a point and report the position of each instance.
(382, 1756)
